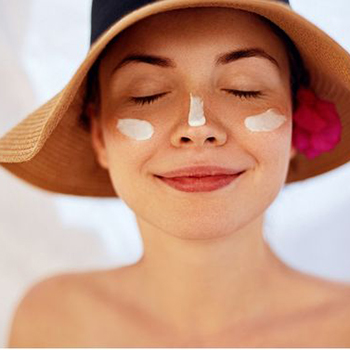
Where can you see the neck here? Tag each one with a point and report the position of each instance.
(205, 285)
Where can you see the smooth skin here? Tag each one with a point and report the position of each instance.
(207, 276)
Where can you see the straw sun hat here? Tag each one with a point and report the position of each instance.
(51, 149)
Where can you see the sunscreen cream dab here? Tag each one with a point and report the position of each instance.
(135, 128)
(267, 121)
(138, 129)
(196, 114)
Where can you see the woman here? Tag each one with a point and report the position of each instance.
(201, 87)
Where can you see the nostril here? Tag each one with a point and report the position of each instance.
(185, 139)
(211, 139)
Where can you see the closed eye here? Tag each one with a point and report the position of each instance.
(244, 94)
(239, 93)
(147, 99)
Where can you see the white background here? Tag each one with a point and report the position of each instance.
(42, 42)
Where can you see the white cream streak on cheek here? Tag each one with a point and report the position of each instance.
(135, 128)
(267, 121)
(196, 115)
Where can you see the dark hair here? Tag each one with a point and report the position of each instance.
(299, 76)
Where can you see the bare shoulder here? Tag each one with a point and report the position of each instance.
(56, 312)
(39, 314)
(342, 320)
(332, 318)
(339, 321)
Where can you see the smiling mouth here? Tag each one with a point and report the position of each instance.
(200, 183)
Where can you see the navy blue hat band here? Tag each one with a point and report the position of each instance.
(106, 12)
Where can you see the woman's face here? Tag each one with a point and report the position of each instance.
(195, 120)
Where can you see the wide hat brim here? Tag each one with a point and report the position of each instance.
(51, 150)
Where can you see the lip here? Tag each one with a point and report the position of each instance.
(200, 184)
(199, 171)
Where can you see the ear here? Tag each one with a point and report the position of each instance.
(293, 152)
(97, 139)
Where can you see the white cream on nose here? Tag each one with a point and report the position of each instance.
(267, 121)
(196, 114)
(136, 129)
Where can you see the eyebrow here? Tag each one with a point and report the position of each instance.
(222, 59)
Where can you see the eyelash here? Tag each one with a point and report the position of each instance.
(147, 99)
(240, 94)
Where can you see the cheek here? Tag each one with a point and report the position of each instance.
(125, 161)
(130, 142)
(265, 122)
(136, 142)
(132, 126)
(270, 151)
(267, 137)
(135, 129)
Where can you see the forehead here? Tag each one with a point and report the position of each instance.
(213, 29)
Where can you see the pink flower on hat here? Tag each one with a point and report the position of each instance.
(316, 125)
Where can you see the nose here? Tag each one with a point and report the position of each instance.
(192, 134)
(198, 136)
